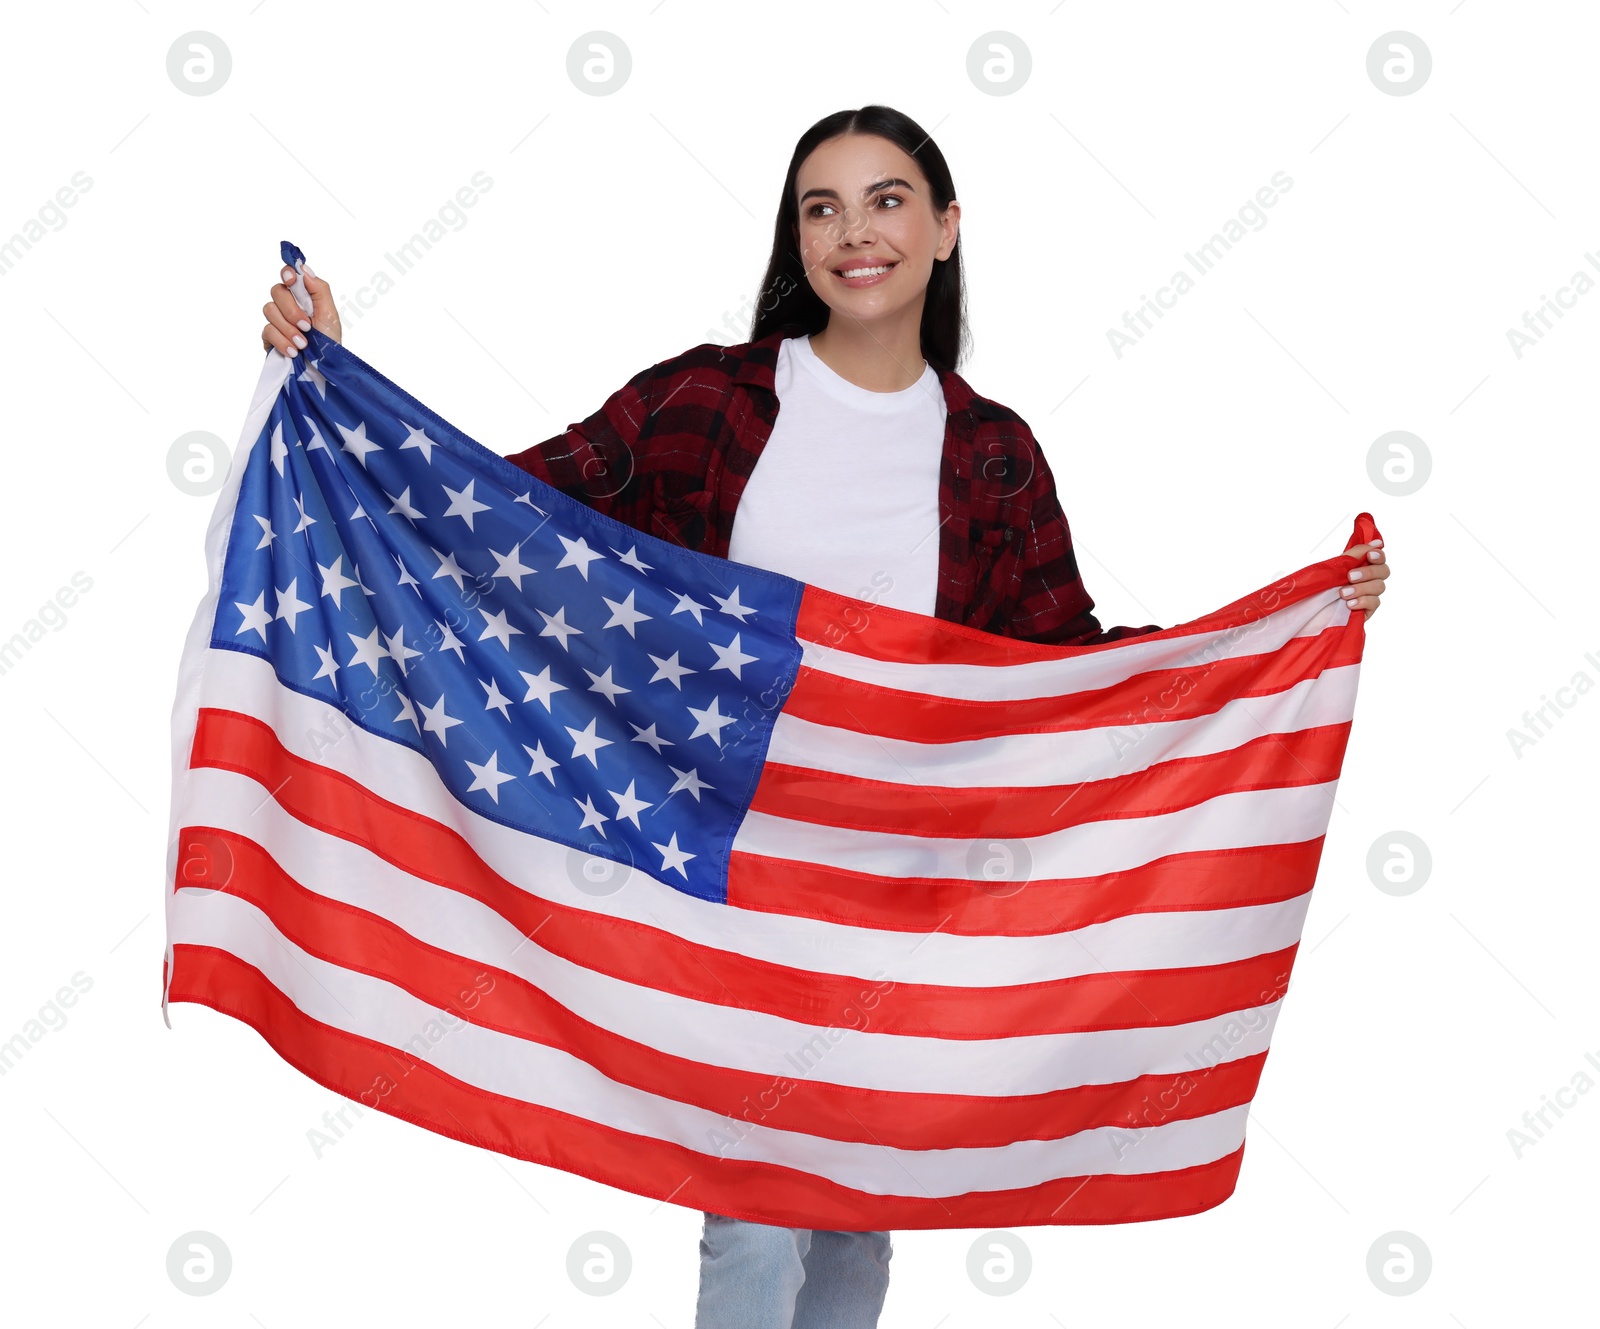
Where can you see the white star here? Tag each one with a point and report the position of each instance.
(368, 652)
(497, 700)
(542, 764)
(732, 606)
(690, 780)
(558, 627)
(592, 816)
(585, 742)
(402, 505)
(330, 666)
(628, 806)
(334, 582)
(362, 512)
(578, 555)
(541, 686)
(268, 535)
(290, 605)
(397, 650)
(730, 657)
(510, 566)
(463, 504)
(672, 857)
(624, 615)
(405, 578)
(356, 568)
(670, 670)
(448, 567)
(498, 628)
(489, 776)
(305, 520)
(688, 604)
(415, 438)
(603, 684)
(710, 722)
(280, 449)
(527, 497)
(317, 440)
(317, 380)
(356, 441)
(406, 713)
(642, 735)
(256, 616)
(438, 722)
(632, 559)
(448, 641)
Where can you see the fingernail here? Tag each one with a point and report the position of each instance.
(303, 326)
(1374, 543)
(1356, 575)
(299, 341)
(288, 276)
(292, 353)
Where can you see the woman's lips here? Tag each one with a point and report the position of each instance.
(873, 280)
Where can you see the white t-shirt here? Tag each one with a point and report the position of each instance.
(845, 494)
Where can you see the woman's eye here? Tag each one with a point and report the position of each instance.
(816, 208)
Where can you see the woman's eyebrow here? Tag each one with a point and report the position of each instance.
(869, 190)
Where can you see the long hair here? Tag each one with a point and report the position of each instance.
(787, 300)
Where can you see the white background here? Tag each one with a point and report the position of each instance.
(1229, 446)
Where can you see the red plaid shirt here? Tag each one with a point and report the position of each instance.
(669, 453)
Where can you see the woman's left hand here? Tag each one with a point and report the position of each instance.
(1366, 582)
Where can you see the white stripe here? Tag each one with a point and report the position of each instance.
(552, 871)
(1228, 821)
(1038, 759)
(1086, 671)
(534, 1073)
(196, 650)
(716, 1034)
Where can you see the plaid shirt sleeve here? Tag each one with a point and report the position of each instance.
(595, 460)
(1052, 605)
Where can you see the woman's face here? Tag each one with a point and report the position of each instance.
(864, 203)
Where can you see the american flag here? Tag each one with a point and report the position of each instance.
(505, 818)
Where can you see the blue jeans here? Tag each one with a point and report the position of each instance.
(758, 1276)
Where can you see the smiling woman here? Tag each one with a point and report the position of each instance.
(884, 476)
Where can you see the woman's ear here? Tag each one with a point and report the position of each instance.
(951, 222)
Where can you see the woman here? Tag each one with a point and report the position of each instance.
(884, 477)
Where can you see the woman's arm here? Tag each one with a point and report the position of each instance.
(595, 460)
(1052, 605)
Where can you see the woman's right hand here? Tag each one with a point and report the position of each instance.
(286, 321)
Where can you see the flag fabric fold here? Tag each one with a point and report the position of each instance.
(502, 817)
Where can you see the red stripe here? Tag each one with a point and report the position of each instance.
(379, 1077)
(1203, 879)
(495, 998)
(653, 957)
(1176, 692)
(1273, 761)
(886, 633)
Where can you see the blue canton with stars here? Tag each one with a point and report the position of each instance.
(565, 674)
